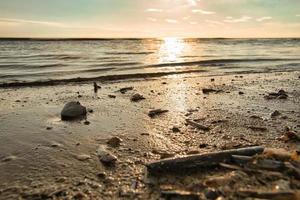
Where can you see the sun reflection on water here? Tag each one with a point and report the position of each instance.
(171, 49)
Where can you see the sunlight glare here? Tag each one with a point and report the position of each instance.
(171, 49)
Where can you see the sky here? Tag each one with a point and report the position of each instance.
(149, 18)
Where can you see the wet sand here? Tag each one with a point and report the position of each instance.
(42, 156)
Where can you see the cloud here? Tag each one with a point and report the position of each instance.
(298, 15)
(193, 23)
(214, 22)
(203, 12)
(152, 19)
(23, 21)
(154, 10)
(237, 20)
(263, 19)
(171, 21)
(186, 17)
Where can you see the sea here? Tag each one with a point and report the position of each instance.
(32, 60)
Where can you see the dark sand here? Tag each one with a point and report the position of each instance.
(36, 163)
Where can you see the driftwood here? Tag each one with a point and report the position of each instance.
(274, 195)
(194, 162)
(153, 113)
(197, 125)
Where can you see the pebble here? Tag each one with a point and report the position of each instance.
(137, 97)
(106, 157)
(83, 157)
(203, 145)
(114, 142)
(112, 96)
(275, 113)
(175, 129)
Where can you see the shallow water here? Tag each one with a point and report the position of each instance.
(39, 60)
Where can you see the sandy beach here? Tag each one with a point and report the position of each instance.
(43, 157)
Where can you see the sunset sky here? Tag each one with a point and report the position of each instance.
(149, 18)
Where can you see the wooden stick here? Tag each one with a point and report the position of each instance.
(177, 165)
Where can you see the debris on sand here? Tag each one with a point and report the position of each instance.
(96, 87)
(112, 96)
(125, 89)
(106, 157)
(197, 125)
(179, 194)
(266, 194)
(73, 110)
(114, 142)
(290, 136)
(155, 112)
(263, 164)
(208, 90)
(258, 128)
(281, 94)
(137, 97)
(197, 161)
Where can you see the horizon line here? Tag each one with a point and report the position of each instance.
(134, 38)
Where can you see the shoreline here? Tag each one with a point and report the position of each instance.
(128, 77)
(42, 155)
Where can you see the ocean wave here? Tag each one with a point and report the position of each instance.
(128, 53)
(98, 78)
(221, 61)
(54, 56)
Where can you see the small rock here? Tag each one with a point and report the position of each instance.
(73, 110)
(49, 128)
(86, 123)
(83, 157)
(137, 97)
(106, 157)
(275, 113)
(125, 89)
(55, 144)
(90, 110)
(164, 83)
(212, 79)
(101, 175)
(241, 93)
(281, 94)
(175, 129)
(112, 96)
(9, 158)
(203, 145)
(114, 142)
